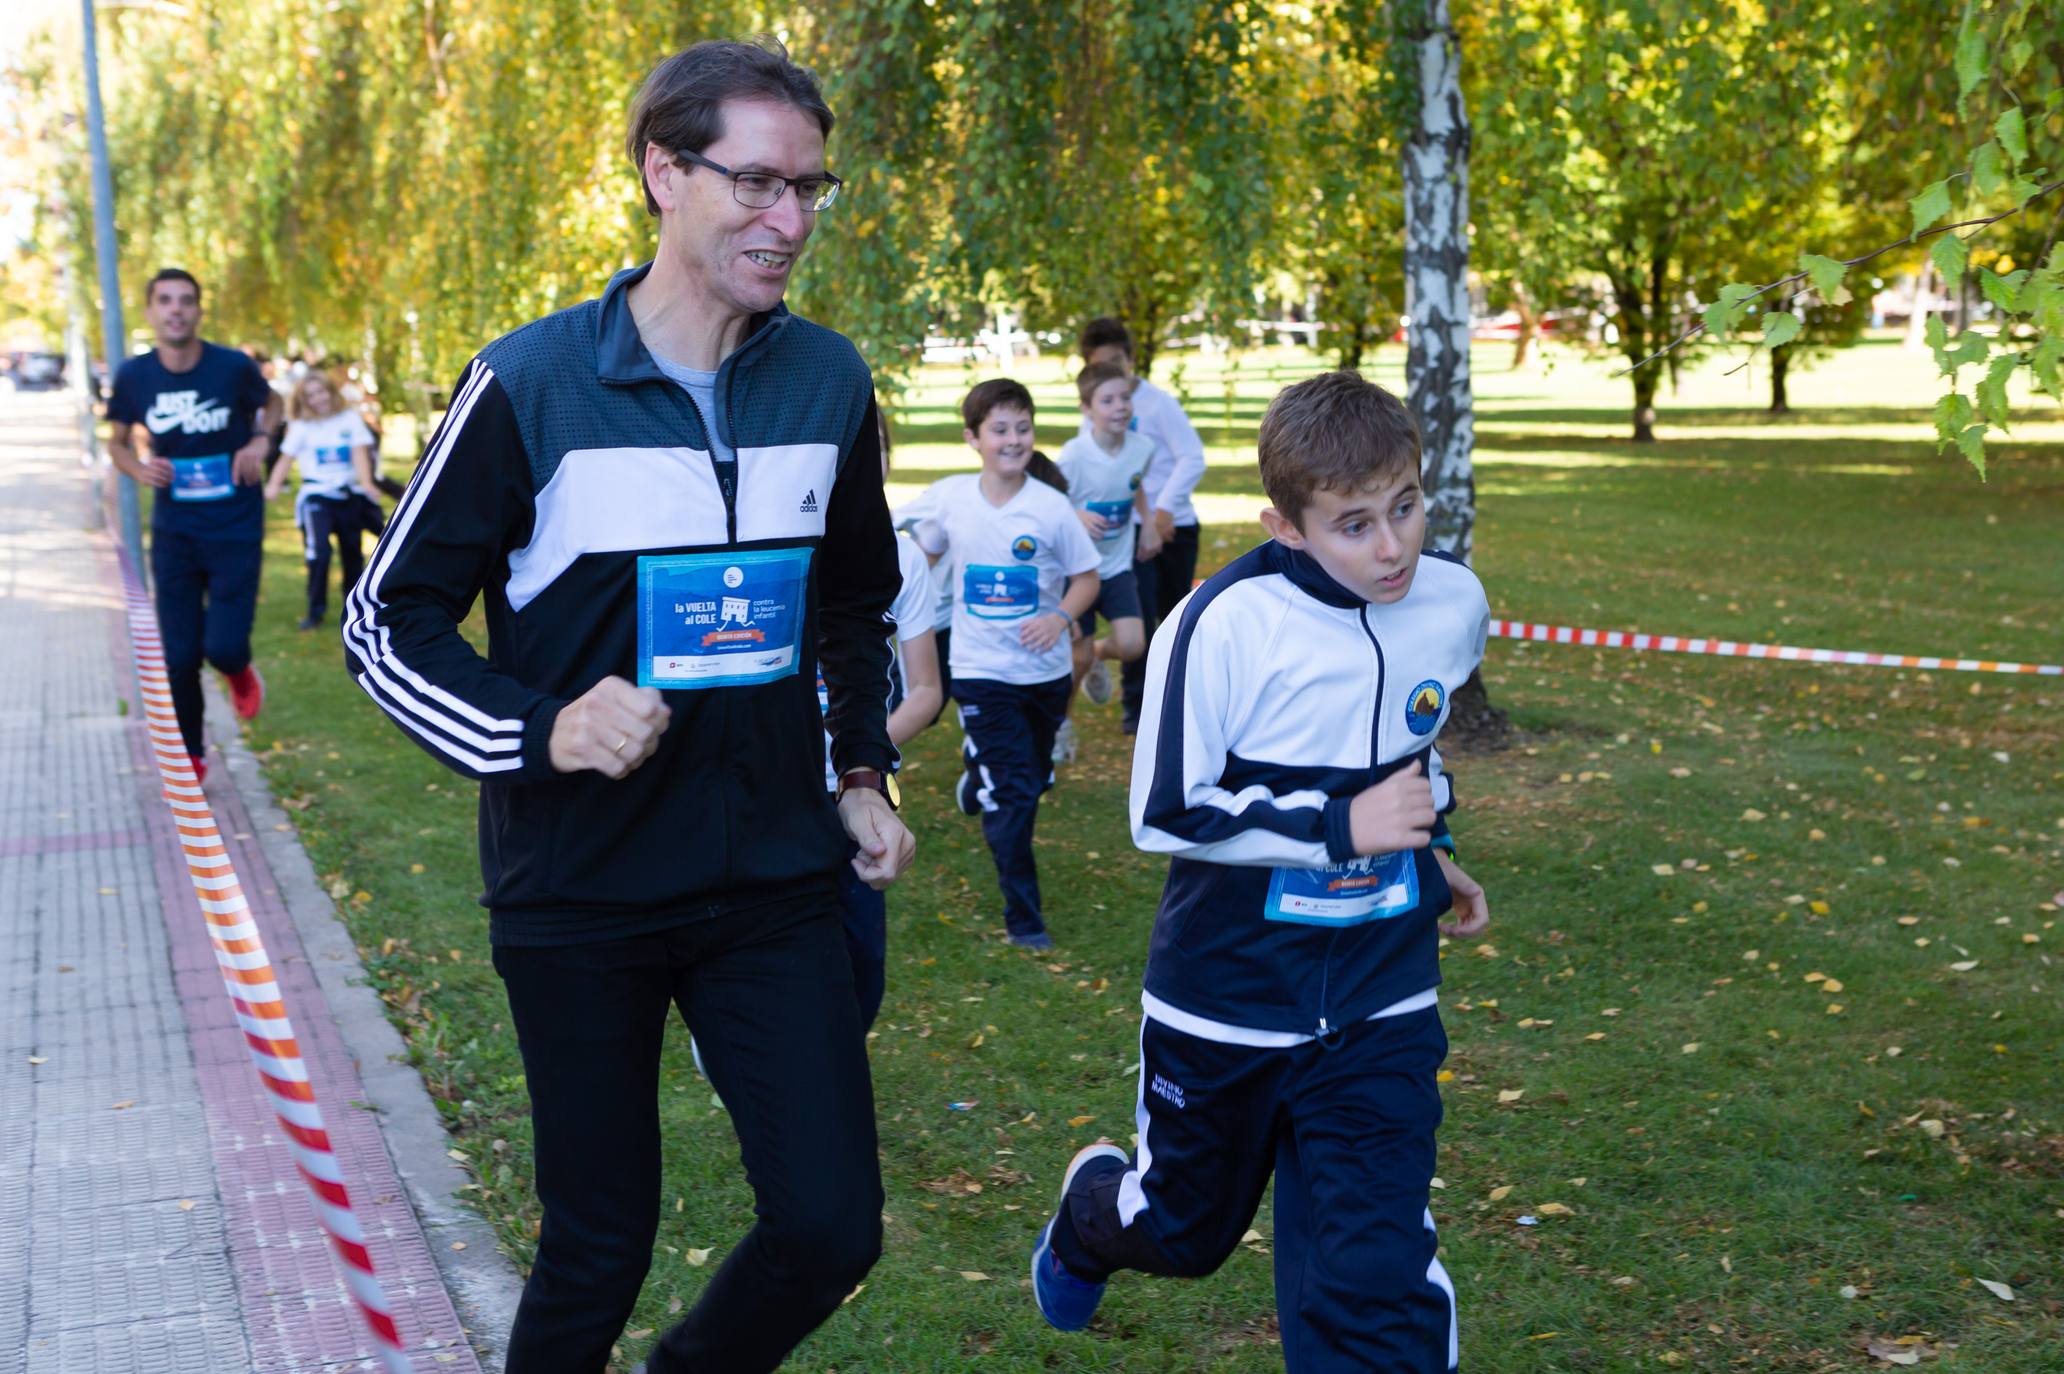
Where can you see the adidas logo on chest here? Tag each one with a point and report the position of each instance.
(809, 506)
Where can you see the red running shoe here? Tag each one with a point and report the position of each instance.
(246, 691)
(200, 768)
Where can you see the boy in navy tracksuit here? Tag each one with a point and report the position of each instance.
(1291, 1023)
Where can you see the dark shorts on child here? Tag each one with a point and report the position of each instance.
(1117, 598)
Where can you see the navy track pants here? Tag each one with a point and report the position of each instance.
(1348, 1132)
(1008, 755)
(207, 595)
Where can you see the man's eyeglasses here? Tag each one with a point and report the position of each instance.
(760, 190)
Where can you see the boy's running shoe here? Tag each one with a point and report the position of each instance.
(1065, 1301)
(1064, 743)
(1037, 940)
(246, 691)
(1096, 683)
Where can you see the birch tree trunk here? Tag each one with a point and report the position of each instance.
(1436, 169)
(1437, 289)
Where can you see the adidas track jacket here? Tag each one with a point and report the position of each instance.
(566, 455)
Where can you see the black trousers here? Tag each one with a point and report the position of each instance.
(345, 519)
(207, 596)
(769, 996)
(1163, 580)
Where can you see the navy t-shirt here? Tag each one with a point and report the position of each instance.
(197, 420)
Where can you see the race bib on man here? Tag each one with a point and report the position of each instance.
(202, 479)
(1116, 515)
(991, 592)
(727, 619)
(1371, 889)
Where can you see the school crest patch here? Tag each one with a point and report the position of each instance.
(1423, 707)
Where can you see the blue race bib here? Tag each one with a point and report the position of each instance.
(339, 457)
(1372, 889)
(1118, 514)
(202, 479)
(727, 619)
(992, 592)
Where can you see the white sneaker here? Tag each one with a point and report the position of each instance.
(1064, 743)
(1096, 684)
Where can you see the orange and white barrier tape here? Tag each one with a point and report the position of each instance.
(1727, 648)
(253, 989)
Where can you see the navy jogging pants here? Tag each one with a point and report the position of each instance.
(1008, 755)
(1348, 1132)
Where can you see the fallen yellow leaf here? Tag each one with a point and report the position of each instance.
(1554, 1209)
(1080, 1120)
(1511, 1094)
(1501, 1192)
(974, 1276)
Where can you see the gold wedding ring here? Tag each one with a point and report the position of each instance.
(617, 748)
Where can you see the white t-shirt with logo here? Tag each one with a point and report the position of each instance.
(1006, 564)
(911, 613)
(1104, 482)
(1178, 462)
(321, 450)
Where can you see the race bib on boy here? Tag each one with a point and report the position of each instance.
(1371, 889)
(991, 592)
(726, 619)
(201, 479)
(1116, 516)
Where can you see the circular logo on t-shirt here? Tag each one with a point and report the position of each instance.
(733, 576)
(1423, 707)
(1134, 483)
(1023, 547)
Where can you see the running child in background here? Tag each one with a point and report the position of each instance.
(331, 445)
(1009, 546)
(915, 699)
(1291, 1024)
(1105, 466)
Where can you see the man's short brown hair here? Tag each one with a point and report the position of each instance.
(998, 393)
(1102, 331)
(1095, 375)
(680, 106)
(1333, 432)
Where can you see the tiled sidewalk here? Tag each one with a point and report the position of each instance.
(151, 1218)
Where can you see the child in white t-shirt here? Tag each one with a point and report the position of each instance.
(1009, 546)
(333, 450)
(1104, 466)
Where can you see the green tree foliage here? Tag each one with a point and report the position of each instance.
(1650, 140)
(2008, 64)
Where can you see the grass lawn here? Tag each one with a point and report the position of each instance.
(1766, 1033)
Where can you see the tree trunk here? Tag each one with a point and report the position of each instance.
(1436, 159)
(1528, 323)
(1645, 380)
(1780, 363)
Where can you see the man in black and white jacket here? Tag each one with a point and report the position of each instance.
(671, 501)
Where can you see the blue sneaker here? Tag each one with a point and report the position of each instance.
(1037, 940)
(1065, 1301)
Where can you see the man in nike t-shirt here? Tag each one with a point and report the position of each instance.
(205, 411)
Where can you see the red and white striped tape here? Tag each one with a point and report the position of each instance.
(253, 989)
(1727, 648)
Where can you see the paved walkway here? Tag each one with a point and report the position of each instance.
(151, 1219)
